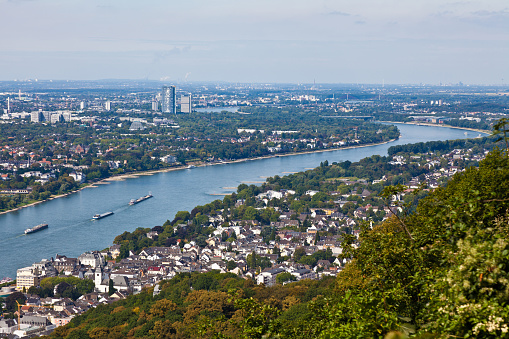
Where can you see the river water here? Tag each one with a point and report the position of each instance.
(72, 232)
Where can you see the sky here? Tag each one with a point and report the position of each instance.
(264, 41)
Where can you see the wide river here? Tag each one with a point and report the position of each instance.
(72, 232)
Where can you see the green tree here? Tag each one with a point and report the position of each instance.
(284, 277)
(299, 253)
(181, 217)
(10, 301)
(231, 265)
(111, 289)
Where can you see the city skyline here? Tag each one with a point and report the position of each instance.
(393, 42)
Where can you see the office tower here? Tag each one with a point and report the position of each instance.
(155, 105)
(83, 105)
(56, 117)
(36, 116)
(185, 103)
(46, 116)
(107, 105)
(67, 116)
(169, 100)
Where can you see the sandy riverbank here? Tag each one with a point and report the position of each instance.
(28, 205)
(122, 177)
(41, 201)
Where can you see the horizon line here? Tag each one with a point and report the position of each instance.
(312, 83)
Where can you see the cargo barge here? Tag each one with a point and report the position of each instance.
(135, 201)
(100, 216)
(36, 228)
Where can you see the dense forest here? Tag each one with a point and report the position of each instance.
(438, 272)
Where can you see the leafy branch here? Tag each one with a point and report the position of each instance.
(502, 127)
(389, 193)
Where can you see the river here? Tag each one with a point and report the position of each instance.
(72, 232)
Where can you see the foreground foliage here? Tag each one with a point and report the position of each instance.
(200, 305)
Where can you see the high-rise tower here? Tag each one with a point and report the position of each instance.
(169, 100)
(185, 103)
(155, 105)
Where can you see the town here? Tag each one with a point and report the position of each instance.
(293, 243)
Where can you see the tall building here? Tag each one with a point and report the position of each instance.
(32, 275)
(36, 116)
(46, 116)
(185, 103)
(169, 100)
(155, 105)
(107, 105)
(67, 116)
(56, 117)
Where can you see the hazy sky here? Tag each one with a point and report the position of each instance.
(327, 41)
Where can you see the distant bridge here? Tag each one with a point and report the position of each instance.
(363, 117)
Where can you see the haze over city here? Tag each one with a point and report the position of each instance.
(258, 41)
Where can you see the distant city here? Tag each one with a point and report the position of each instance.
(63, 101)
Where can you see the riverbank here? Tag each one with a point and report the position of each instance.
(201, 164)
(121, 177)
(45, 200)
